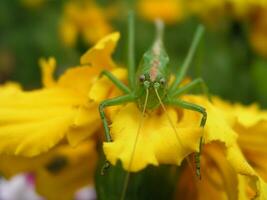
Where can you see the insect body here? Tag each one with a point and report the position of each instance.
(153, 73)
(148, 86)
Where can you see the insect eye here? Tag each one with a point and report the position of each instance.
(162, 81)
(142, 78)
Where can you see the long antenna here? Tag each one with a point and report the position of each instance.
(127, 177)
(173, 127)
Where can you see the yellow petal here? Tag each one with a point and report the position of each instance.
(103, 88)
(251, 127)
(86, 123)
(246, 115)
(33, 122)
(257, 186)
(158, 137)
(9, 88)
(219, 179)
(79, 79)
(253, 143)
(48, 67)
(249, 115)
(218, 126)
(99, 56)
(157, 142)
(78, 134)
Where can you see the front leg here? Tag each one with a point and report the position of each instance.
(106, 103)
(197, 108)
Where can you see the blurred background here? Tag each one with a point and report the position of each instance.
(232, 57)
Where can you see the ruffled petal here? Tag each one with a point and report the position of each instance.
(246, 115)
(256, 186)
(100, 55)
(251, 127)
(218, 126)
(159, 138)
(157, 142)
(253, 144)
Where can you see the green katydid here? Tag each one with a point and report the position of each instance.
(148, 85)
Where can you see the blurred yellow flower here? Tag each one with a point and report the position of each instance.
(67, 171)
(59, 173)
(208, 10)
(32, 122)
(258, 32)
(170, 11)
(32, 3)
(83, 18)
(243, 8)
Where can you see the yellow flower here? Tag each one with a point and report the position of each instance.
(59, 181)
(85, 18)
(32, 122)
(58, 173)
(213, 10)
(251, 126)
(158, 137)
(171, 11)
(227, 172)
(237, 171)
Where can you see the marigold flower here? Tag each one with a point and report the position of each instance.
(32, 122)
(237, 171)
(228, 171)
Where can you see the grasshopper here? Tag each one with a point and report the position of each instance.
(148, 85)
